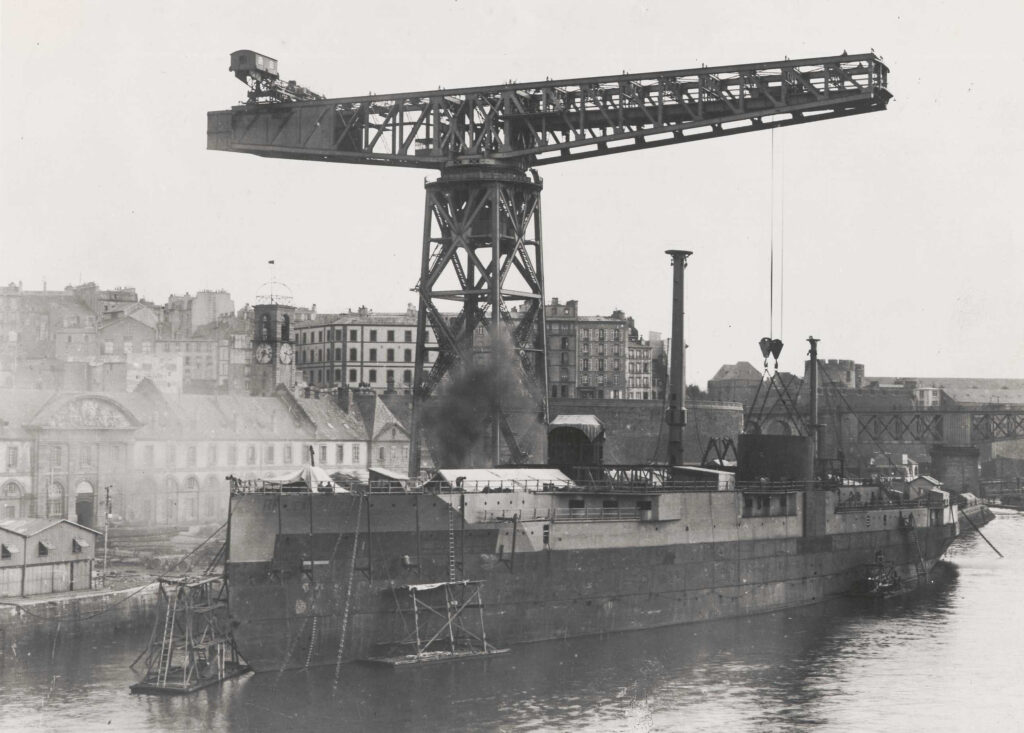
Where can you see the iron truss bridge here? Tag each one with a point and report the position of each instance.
(961, 427)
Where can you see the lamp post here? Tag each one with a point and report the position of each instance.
(106, 527)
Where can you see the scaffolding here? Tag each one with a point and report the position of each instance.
(191, 646)
(444, 625)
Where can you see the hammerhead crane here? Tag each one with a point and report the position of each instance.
(482, 244)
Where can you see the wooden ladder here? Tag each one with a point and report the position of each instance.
(167, 641)
(922, 567)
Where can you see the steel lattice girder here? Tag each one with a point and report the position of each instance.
(547, 122)
(956, 426)
(482, 250)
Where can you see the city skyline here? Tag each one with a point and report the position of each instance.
(895, 236)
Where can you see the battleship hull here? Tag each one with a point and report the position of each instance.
(318, 578)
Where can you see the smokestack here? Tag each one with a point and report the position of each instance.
(676, 417)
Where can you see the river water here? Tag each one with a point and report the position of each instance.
(946, 660)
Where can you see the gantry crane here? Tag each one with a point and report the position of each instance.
(482, 245)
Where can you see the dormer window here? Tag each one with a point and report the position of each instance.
(45, 548)
(78, 545)
(7, 551)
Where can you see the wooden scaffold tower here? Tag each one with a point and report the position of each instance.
(444, 625)
(191, 646)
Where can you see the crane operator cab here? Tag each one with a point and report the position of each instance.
(249, 63)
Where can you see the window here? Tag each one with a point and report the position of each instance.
(353, 334)
(211, 455)
(287, 455)
(554, 391)
(380, 455)
(565, 342)
(250, 455)
(232, 455)
(586, 364)
(45, 547)
(352, 355)
(408, 336)
(269, 454)
(407, 376)
(391, 335)
(55, 501)
(12, 457)
(600, 365)
(352, 376)
(190, 456)
(373, 354)
(323, 454)
(339, 453)
(373, 334)
(337, 353)
(355, 453)
(373, 376)
(391, 354)
(337, 375)
(6, 551)
(408, 355)
(390, 377)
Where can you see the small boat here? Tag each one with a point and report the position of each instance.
(880, 580)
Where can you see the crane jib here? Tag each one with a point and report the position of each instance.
(540, 123)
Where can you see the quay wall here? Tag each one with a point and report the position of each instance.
(77, 613)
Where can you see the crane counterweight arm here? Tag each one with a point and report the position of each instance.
(552, 121)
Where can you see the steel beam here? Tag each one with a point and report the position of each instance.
(481, 248)
(540, 123)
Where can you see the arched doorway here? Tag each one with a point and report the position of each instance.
(85, 504)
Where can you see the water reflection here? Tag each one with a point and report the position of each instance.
(945, 659)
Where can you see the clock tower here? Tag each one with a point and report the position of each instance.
(273, 354)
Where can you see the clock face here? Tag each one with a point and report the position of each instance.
(264, 353)
(285, 353)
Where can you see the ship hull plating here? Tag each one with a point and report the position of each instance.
(303, 567)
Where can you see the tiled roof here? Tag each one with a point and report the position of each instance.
(740, 370)
(332, 422)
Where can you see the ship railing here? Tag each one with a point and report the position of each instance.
(591, 514)
(855, 505)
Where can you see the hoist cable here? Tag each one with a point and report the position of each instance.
(771, 245)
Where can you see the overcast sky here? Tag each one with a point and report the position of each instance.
(902, 229)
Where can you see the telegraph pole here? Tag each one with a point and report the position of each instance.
(106, 527)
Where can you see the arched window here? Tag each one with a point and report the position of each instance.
(285, 328)
(192, 484)
(264, 327)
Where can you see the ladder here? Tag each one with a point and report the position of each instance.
(451, 544)
(167, 640)
(922, 569)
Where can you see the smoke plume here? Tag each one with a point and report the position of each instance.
(457, 419)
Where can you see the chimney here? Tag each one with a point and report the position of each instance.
(344, 398)
(554, 301)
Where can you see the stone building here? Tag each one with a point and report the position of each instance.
(360, 349)
(164, 458)
(596, 357)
